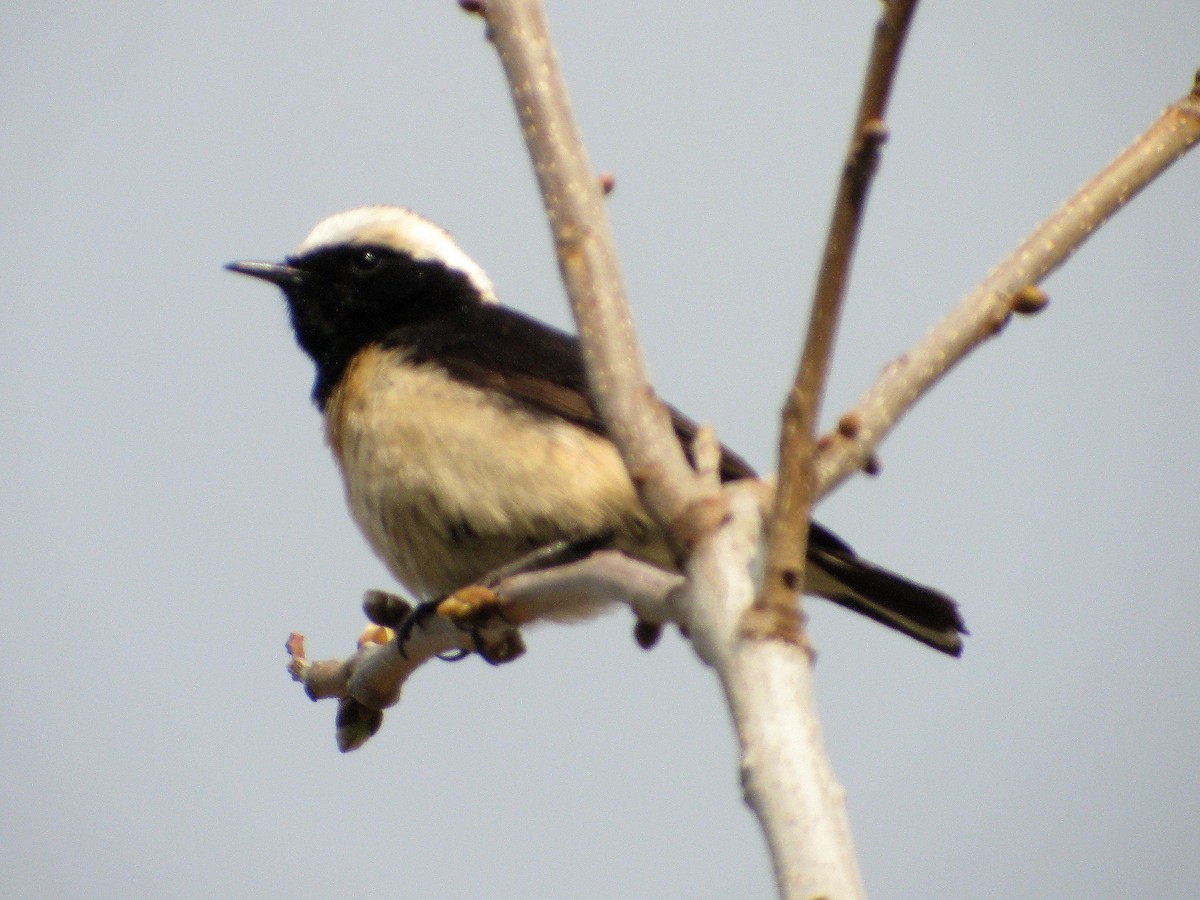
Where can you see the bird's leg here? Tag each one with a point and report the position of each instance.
(556, 553)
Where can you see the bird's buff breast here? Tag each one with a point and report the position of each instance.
(448, 482)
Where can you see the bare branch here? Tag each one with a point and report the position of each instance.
(984, 311)
(574, 199)
(776, 612)
(688, 504)
(786, 775)
(482, 619)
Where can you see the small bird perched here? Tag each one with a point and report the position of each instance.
(465, 432)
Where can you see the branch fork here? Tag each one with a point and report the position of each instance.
(736, 602)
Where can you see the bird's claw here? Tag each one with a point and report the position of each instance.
(474, 609)
(415, 618)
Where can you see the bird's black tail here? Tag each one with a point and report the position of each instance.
(913, 609)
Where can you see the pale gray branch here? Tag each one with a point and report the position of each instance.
(786, 775)
(370, 680)
(575, 208)
(984, 311)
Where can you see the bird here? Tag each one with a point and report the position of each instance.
(465, 432)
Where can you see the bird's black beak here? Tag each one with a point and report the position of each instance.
(276, 273)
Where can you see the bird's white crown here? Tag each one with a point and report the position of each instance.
(401, 230)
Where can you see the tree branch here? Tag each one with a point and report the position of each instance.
(777, 611)
(786, 776)
(1007, 289)
(573, 195)
(816, 859)
(482, 619)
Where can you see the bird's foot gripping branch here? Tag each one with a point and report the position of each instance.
(484, 619)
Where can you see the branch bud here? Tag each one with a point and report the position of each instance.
(1029, 300)
(849, 425)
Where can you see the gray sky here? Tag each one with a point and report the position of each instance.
(170, 511)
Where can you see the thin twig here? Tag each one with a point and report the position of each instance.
(370, 679)
(574, 199)
(985, 310)
(776, 612)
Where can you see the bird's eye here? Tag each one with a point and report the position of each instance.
(365, 261)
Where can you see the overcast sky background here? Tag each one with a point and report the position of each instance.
(170, 512)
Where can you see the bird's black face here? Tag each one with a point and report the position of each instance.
(348, 297)
(345, 298)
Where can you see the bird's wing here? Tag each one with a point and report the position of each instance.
(534, 365)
